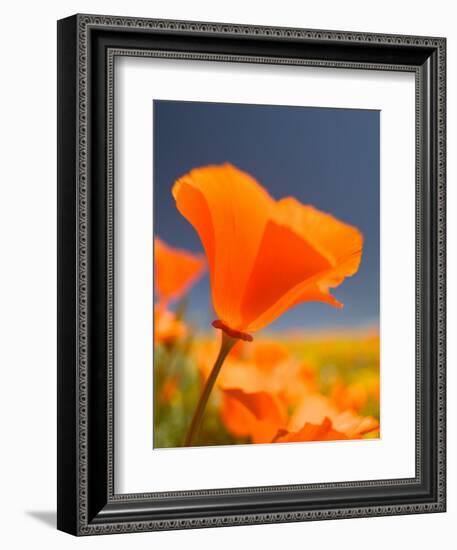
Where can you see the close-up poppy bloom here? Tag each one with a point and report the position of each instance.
(264, 256)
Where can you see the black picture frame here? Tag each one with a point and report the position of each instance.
(87, 45)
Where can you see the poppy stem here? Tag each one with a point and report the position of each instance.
(226, 345)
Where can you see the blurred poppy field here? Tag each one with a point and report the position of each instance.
(279, 387)
(304, 387)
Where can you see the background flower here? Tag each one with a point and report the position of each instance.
(175, 270)
(264, 419)
(167, 326)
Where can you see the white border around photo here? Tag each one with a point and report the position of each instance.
(139, 468)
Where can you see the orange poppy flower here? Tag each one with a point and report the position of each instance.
(175, 270)
(264, 419)
(264, 256)
(263, 366)
(316, 408)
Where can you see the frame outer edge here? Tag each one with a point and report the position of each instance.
(441, 266)
(83, 22)
(67, 454)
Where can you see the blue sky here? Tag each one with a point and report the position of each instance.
(325, 157)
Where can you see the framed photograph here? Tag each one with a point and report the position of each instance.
(251, 274)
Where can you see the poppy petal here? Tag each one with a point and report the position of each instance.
(335, 239)
(354, 425)
(339, 242)
(175, 270)
(258, 415)
(313, 432)
(236, 211)
(316, 408)
(284, 261)
(304, 253)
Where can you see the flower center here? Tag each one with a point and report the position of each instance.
(232, 332)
